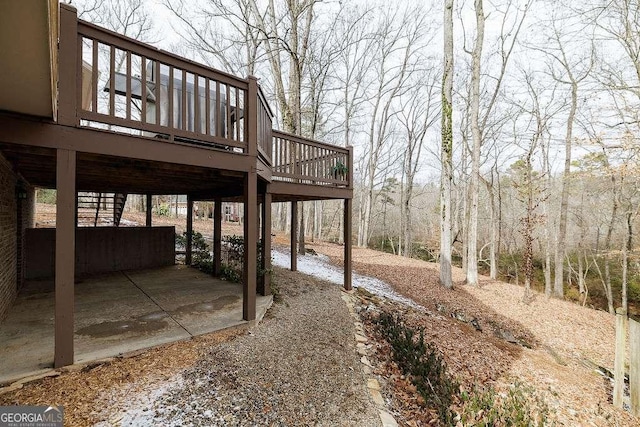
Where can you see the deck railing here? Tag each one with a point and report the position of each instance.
(112, 82)
(304, 161)
(134, 86)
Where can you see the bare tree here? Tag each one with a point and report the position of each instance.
(128, 17)
(397, 41)
(530, 183)
(479, 125)
(446, 154)
(418, 114)
(219, 32)
(474, 190)
(570, 64)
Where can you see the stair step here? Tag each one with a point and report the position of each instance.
(100, 207)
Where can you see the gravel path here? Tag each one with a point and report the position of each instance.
(297, 367)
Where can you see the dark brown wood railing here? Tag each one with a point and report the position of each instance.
(304, 161)
(134, 86)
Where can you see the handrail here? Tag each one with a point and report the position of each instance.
(111, 37)
(303, 140)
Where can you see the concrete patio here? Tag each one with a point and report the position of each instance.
(118, 313)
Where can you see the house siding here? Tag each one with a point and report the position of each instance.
(8, 237)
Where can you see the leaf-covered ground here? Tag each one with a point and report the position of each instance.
(555, 344)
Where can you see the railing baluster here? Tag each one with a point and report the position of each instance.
(128, 95)
(196, 104)
(79, 74)
(237, 123)
(283, 158)
(143, 88)
(229, 131)
(207, 107)
(170, 97)
(275, 159)
(183, 112)
(309, 161)
(218, 126)
(158, 81)
(94, 76)
(112, 83)
(245, 105)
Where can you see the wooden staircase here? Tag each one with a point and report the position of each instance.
(100, 209)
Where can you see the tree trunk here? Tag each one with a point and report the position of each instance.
(472, 268)
(466, 218)
(446, 175)
(558, 288)
(607, 273)
(625, 260)
(528, 234)
(493, 268)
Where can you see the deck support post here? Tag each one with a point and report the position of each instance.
(189, 244)
(65, 256)
(217, 237)
(348, 207)
(250, 244)
(265, 278)
(69, 82)
(149, 210)
(294, 236)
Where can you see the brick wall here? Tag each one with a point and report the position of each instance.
(26, 219)
(8, 237)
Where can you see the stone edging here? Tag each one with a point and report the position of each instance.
(363, 348)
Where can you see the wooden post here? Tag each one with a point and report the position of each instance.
(348, 207)
(301, 230)
(189, 245)
(149, 210)
(265, 281)
(68, 67)
(350, 167)
(634, 366)
(250, 272)
(294, 236)
(252, 117)
(217, 237)
(250, 243)
(618, 371)
(65, 256)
